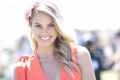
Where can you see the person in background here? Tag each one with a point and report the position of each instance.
(116, 56)
(55, 55)
(97, 57)
(23, 46)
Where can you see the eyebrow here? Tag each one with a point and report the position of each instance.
(51, 22)
(48, 23)
(37, 23)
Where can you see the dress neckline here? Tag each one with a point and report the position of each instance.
(43, 76)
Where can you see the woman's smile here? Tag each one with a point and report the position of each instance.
(45, 38)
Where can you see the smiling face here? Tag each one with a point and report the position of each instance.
(43, 29)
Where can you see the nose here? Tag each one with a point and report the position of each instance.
(47, 29)
(45, 32)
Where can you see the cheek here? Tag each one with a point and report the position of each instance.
(34, 33)
(34, 30)
(55, 32)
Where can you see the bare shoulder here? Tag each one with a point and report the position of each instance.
(83, 56)
(82, 51)
(85, 63)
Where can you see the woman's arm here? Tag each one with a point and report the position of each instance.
(85, 64)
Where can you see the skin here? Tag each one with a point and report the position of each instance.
(85, 64)
(43, 26)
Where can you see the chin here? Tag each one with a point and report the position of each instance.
(45, 44)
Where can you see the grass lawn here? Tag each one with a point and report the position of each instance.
(2, 79)
(109, 75)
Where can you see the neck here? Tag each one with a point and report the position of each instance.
(45, 51)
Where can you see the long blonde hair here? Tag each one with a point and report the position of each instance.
(63, 42)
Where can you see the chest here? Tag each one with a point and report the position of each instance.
(51, 70)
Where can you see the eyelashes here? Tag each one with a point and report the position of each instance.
(38, 25)
(51, 25)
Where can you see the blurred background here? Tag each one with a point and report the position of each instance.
(95, 23)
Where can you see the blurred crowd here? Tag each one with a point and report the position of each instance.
(104, 48)
(9, 56)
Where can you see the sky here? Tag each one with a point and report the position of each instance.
(81, 14)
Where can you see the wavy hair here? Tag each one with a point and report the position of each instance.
(63, 42)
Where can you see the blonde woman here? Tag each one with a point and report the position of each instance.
(55, 56)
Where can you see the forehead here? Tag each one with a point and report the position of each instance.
(42, 16)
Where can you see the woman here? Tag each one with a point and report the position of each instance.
(55, 56)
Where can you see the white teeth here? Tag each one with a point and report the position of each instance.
(45, 38)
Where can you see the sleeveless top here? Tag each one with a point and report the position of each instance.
(29, 68)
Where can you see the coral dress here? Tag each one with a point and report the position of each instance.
(28, 68)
